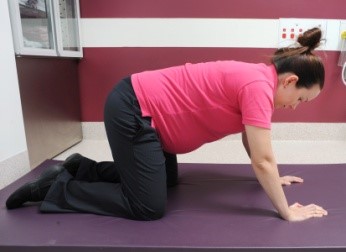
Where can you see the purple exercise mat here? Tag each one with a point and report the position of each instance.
(216, 207)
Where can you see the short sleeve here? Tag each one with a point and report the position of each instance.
(256, 104)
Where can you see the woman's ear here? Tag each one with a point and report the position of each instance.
(290, 79)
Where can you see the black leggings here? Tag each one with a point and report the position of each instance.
(134, 185)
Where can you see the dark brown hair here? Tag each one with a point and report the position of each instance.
(301, 61)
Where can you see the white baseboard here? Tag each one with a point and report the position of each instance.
(293, 143)
(280, 131)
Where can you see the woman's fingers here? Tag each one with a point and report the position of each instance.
(300, 212)
(317, 210)
(297, 205)
(288, 180)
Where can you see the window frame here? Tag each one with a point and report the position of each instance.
(54, 20)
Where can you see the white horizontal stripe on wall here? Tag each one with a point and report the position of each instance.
(154, 32)
(190, 32)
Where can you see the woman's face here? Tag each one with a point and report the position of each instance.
(289, 96)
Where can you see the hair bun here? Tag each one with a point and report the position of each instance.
(310, 38)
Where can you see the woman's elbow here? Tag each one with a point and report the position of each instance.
(263, 163)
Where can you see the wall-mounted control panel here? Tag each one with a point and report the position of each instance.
(291, 28)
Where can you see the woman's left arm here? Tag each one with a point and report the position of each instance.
(245, 143)
(284, 180)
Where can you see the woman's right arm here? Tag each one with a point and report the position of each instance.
(265, 168)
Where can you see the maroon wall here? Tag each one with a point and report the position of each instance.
(333, 9)
(101, 68)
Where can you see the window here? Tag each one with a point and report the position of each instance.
(46, 27)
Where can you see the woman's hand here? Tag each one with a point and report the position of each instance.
(299, 212)
(288, 180)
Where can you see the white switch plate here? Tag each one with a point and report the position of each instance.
(342, 44)
(342, 28)
(291, 28)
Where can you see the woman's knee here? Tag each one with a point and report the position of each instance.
(150, 212)
(156, 214)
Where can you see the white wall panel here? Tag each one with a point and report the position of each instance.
(190, 32)
(12, 135)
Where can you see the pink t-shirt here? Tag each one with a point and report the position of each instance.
(194, 104)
